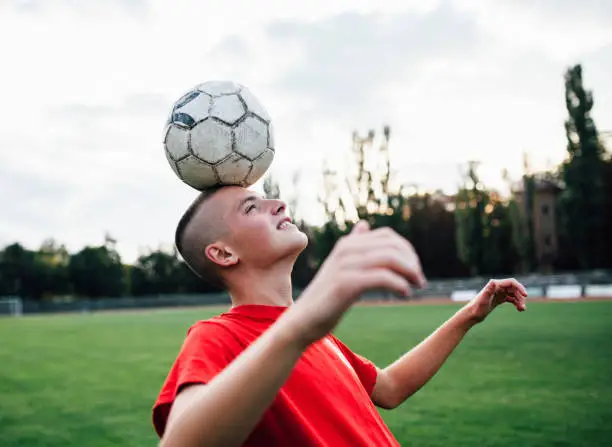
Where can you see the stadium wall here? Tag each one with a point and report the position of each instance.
(560, 286)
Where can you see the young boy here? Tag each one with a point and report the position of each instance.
(268, 372)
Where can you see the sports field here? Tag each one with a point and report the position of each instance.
(541, 378)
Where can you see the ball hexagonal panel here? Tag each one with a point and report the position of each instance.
(260, 166)
(251, 137)
(228, 109)
(218, 88)
(197, 108)
(234, 170)
(253, 104)
(211, 141)
(196, 173)
(176, 142)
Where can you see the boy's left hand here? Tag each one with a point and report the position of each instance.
(496, 292)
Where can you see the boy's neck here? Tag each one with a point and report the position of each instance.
(271, 286)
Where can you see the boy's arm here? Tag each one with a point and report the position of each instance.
(414, 369)
(410, 372)
(225, 411)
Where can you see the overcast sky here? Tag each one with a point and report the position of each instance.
(86, 87)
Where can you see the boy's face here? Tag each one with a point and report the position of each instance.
(259, 232)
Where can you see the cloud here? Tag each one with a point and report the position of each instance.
(131, 8)
(453, 85)
(323, 79)
(88, 169)
(592, 11)
(91, 84)
(562, 29)
(340, 66)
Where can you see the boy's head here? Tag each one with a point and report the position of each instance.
(232, 228)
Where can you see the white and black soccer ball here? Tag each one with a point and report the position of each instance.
(219, 134)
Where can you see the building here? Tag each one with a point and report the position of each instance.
(543, 207)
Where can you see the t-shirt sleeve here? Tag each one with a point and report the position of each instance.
(205, 352)
(365, 369)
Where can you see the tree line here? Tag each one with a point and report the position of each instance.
(475, 231)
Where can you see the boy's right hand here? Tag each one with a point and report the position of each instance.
(363, 260)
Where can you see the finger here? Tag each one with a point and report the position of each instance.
(517, 300)
(490, 288)
(381, 241)
(361, 227)
(518, 305)
(510, 297)
(520, 292)
(381, 278)
(511, 282)
(387, 233)
(357, 250)
(513, 291)
(363, 241)
(522, 305)
(379, 236)
(400, 262)
(388, 239)
(512, 300)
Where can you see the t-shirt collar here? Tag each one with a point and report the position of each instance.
(258, 311)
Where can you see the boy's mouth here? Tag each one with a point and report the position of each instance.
(284, 224)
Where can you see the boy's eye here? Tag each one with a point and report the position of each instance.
(250, 208)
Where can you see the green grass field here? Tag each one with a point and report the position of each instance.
(541, 378)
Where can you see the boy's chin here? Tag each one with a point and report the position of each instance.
(300, 239)
(294, 245)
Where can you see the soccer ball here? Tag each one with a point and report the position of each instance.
(219, 134)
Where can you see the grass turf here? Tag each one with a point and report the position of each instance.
(538, 378)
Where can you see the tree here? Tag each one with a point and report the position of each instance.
(53, 260)
(427, 220)
(368, 182)
(156, 273)
(359, 191)
(471, 201)
(363, 188)
(521, 215)
(581, 204)
(499, 254)
(485, 234)
(18, 271)
(163, 272)
(366, 189)
(97, 272)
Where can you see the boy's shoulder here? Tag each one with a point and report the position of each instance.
(221, 331)
(217, 324)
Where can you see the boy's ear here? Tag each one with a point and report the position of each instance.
(221, 254)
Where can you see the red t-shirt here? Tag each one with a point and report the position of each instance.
(324, 402)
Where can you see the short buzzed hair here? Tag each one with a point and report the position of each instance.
(192, 252)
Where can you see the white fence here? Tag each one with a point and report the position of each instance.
(463, 295)
(598, 290)
(553, 292)
(564, 292)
